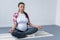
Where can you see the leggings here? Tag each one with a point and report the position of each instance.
(20, 34)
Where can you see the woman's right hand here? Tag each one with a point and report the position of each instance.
(11, 30)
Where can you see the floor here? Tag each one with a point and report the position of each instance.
(53, 29)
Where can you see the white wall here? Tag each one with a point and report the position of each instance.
(58, 13)
(41, 12)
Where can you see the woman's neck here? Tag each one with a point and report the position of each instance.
(21, 11)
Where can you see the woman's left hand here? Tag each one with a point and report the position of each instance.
(38, 26)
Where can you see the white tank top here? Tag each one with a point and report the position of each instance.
(22, 22)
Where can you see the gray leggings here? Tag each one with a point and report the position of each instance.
(19, 34)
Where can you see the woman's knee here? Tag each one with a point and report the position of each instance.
(18, 34)
(35, 29)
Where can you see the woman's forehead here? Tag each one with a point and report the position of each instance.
(21, 5)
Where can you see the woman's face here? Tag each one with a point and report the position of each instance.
(21, 7)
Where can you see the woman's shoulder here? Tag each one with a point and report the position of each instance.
(15, 13)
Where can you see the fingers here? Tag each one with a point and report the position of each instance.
(10, 31)
(39, 26)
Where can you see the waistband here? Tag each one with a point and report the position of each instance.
(19, 30)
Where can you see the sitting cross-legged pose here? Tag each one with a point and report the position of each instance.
(21, 22)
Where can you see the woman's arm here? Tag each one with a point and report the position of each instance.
(30, 24)
(14, 22)
(13, 27)
(37, 26)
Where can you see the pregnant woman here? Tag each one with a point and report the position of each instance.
(21, 22)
